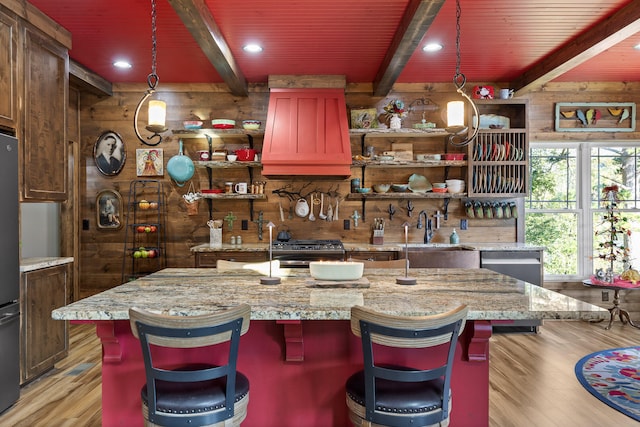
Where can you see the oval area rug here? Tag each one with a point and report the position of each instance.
(613, 376)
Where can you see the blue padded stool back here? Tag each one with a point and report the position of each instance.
(395, 395)
(193, 394)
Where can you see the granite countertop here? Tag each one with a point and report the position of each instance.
(31, 264)
(366, 247)
(193, 291)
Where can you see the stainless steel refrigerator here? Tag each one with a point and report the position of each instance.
(9, 273)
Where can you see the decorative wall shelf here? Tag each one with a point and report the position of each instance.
(234, 196)
(202, 133)
(409, 164)
(595, 117)
(390, 196)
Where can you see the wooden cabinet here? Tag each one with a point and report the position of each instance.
(44, 141)
(209, 259)
(9, 74)
(43, 341)
(498, 157)
(372, 255)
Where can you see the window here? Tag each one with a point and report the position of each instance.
(565, 206)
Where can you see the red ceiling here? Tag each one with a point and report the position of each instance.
(500, 38)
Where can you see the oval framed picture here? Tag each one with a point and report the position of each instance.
(109, 153)
(108, 209)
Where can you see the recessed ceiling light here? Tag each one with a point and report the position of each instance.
(122, 64)
(432, 47)
(253, 48)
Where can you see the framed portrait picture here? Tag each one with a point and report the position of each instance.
(108, 209)
(149, 162)
(364, 118)
(109, 153)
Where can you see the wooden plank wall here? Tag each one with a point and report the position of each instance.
(101, 252)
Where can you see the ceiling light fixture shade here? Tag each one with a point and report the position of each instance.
(157, 109)
(458, 132)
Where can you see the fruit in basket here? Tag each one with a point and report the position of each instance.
(631, 275)
(143, 204)
(140, 228)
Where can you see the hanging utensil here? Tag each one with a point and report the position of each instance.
(302, 208)
(322, 215)
(335, 213)
(281, 212)
(329, 213)
(312, 217)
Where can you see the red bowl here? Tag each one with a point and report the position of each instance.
(453, 156)
(223, 126)
(439, 190)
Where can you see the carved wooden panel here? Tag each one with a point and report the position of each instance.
(43, 340)
(45, 104)
(9, 71)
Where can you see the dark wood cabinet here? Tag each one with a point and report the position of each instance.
(209, 259)
(373, 255)
(44, 141)
(43, 341)
(9, 75)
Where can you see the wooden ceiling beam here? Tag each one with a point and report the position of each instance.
(602, 36)
(414, 24)
(196, 16)
(87, 80)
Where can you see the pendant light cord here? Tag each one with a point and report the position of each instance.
(152, 81)
(460, 137)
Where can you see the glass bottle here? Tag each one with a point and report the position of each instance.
(454, 239)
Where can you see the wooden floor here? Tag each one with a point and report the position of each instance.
(532, 381)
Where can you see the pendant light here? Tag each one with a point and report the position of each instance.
(157, 109)
(458, 132)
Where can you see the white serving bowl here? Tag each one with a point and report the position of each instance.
(455, 189)
(336, 270)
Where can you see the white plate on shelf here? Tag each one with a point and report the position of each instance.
(492, 121)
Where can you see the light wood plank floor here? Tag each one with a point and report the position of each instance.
(532, 381)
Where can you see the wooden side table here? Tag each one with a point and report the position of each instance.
(615, 310)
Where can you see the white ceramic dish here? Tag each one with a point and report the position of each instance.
(336, 270)
(419, 184)
(492, 121)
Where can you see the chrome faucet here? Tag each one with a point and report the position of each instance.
(428, 231)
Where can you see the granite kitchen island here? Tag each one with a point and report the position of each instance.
(299, 349)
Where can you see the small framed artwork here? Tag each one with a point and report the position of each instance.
(365, 118)
(109, 153)
(149, 162)
(108, 209)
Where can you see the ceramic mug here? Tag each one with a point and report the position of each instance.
(506, 93)
(228, 187)
(241, 188)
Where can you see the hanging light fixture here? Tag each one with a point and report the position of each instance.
(157, 109)
(458, 132)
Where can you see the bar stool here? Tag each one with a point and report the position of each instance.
(399, 396)
(193, 394)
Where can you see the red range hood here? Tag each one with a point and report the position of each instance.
(307, 133)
